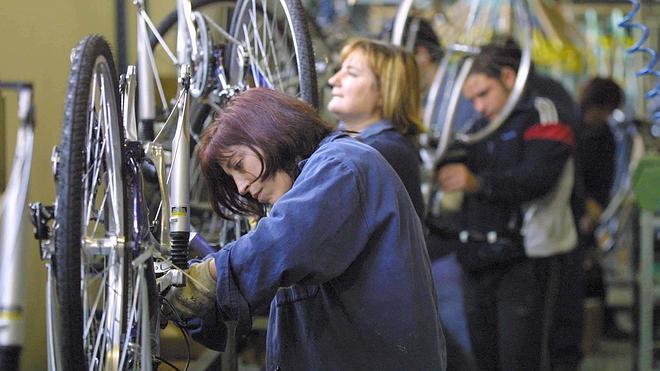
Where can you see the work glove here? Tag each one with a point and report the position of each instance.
(197, 297)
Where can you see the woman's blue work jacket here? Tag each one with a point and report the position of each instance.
(341, 261)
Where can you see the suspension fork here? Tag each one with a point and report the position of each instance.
(179, 179)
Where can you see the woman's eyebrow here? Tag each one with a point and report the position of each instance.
(226, 157)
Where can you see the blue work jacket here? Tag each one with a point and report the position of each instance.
(341, 261)
(401, 154)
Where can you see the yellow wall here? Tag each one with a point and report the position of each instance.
(36, 38)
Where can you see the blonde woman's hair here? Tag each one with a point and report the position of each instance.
(397, 77)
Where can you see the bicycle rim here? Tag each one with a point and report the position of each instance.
(90, 259)
(273, 50)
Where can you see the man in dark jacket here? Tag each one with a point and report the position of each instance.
(516, 216)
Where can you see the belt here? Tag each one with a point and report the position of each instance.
(490, 236)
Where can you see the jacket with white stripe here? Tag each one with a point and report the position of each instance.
(524, 162)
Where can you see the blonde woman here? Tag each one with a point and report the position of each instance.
(376, 95)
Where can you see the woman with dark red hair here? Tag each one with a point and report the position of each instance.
(339, 257)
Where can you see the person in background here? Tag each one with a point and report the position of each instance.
(375, 95)
(565, 338)
(339, 257)
(516, 216)
(426, 48)
(596, 148)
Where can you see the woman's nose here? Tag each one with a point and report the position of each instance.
(242, 185)
(332, 81)
(479, 106)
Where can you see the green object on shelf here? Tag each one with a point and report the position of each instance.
(656, 273)
(646, 182)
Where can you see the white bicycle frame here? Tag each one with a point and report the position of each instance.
(12, 216)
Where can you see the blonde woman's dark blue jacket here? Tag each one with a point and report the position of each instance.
(401, 153)
(341, 261)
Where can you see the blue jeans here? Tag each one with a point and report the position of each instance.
(448, 278)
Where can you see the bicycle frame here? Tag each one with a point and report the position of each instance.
(12, 248)
(175, 188)
(176, 204)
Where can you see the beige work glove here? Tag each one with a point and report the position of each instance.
(197, 297)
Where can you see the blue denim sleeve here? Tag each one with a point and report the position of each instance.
(312, 235)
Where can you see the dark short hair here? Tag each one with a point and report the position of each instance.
(493, 57)
(601, 92)
(426, 37)
(279, 129)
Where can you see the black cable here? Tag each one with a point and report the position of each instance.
(167, 363)
(180, 323)
(188, 348)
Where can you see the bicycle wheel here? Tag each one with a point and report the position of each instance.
(271, 47)
(219, 11)
(464, 27)
(215, 15)
(210, 19)
(91, 260)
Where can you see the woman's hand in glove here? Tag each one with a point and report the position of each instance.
(197, 297)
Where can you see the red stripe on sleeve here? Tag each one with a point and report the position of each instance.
(558, 132)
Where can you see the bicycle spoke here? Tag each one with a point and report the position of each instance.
(114, 164)
(92, 193)
(221, 30)
(132, 319)
(100, 212)
(101, 333)
(269, 35)
(92, 310)
(259, 46)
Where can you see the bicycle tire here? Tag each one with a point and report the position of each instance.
(91, 141)
(299, 43)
